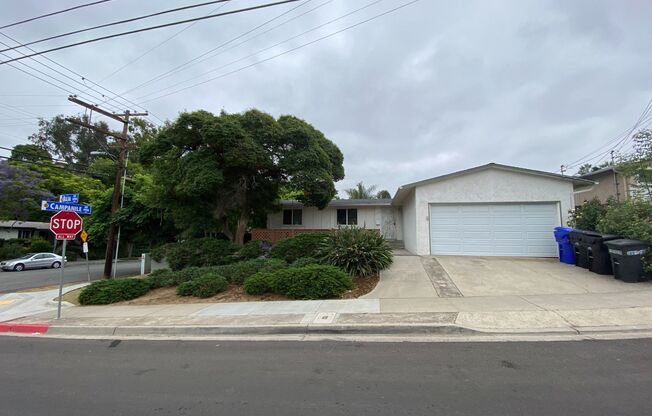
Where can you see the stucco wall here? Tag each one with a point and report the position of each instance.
(490, 185)
(313, 218)
(409, 223)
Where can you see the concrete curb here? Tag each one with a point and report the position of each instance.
(195, 331)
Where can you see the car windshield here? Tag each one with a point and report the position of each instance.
(26, 256)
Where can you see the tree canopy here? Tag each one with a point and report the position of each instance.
(215, 172)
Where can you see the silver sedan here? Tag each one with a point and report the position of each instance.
(33, 261)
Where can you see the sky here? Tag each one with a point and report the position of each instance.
(423, 90)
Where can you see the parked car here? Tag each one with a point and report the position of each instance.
(33, 261)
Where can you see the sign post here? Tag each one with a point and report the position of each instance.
(84, 236)
(65, 225)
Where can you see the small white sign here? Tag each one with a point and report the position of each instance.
(85, 247)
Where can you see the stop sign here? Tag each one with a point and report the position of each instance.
(66, 225)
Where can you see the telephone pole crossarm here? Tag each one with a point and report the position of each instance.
(82, 123)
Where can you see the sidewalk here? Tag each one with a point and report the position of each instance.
(416, 296)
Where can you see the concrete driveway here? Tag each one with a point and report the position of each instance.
(494, 276)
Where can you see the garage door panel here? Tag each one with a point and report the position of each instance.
(494, 229)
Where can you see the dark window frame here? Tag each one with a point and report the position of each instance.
(350, 216)
(293, 216)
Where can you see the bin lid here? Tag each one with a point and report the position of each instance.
(594, 236)
(626, 243)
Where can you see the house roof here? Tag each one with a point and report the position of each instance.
(347, 202)
(25, 224)
(597, 172)
(404, 189)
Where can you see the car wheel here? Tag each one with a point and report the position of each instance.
(56, 265)
(19, 267)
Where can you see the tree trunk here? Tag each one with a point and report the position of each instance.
(241, 229)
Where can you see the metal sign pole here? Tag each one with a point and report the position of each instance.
(63, 266)
(88, 268)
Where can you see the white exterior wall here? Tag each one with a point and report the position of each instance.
(409, 223)
(492, 185)
(8, 233)
(326, 219)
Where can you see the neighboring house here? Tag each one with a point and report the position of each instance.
(609, 184)
(24, 229)
(489, 210)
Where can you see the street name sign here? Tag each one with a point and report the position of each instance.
(55, 206)
(71, 198)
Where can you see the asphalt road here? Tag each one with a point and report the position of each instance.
(88, 377)
(75, 272)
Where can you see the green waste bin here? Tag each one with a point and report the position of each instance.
(627, 259)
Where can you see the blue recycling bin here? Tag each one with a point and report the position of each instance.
(566, 250)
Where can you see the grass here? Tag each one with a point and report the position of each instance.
(72, 296)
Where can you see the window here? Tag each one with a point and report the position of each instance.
(292, 216)
(347, 216)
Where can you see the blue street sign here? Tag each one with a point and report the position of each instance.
(69, 198)
(64, 206)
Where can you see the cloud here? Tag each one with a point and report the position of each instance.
(433, 88)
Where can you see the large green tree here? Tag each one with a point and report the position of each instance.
(638, 165)
(71, 142)
(213, 173)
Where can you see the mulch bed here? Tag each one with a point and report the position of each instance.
(236, 293)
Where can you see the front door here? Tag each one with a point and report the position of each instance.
(388, 224)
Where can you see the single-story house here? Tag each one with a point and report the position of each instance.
(24, 229)
(489, 210)
(609, 184)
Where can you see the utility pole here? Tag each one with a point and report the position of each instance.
(613, 166)
(122, 139)
(563, 170)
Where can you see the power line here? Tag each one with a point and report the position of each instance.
(119, 22)
(130, 32)
(178, 67)
(53, 13)
(267, 48)
(52, 165)
(67, 69)
(28, 153)
(285, 52)
(158, 45)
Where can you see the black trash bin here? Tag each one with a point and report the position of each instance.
(627, 259)
(598, 253)
(576, 238)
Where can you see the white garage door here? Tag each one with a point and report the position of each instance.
(494, 229)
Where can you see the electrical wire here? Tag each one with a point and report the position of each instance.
(178, 67)
(119, 22)
(194, 78)
(285, 52)
(31, 19)
(130, 32)
(158, 45)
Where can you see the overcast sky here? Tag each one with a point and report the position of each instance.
(434, 87)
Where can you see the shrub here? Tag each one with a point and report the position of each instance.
(204, 286)
(251, 250)
(305, 261)
(236, 273)
(303, 245)
(161, 278)
(258, 283)
(38, 245)
(187, 274)
(357, 251)
(630, 219)
(587, 215)
(11, 250)
(199, 252)
(310, 282)
(114, 290)
(160, 252)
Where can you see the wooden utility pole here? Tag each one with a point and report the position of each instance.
(122, 139)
